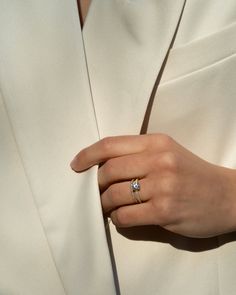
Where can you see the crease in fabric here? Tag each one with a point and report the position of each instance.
(30, 188)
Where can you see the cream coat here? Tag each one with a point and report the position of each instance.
(61, 91)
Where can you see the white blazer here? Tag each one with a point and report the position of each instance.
(61, 90)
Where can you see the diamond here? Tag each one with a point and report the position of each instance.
(135, 185)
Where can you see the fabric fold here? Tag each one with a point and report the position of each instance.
(125, 52)
(46, 90)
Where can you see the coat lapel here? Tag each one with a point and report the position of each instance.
(126, 43)
(45, 87)
(47, 96)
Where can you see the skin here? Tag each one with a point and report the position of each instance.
(180, 191)
(83, 7)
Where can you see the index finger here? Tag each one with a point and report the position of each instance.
(109, 147)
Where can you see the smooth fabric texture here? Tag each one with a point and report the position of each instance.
(47, 98)
(60, 91)
(194, 103)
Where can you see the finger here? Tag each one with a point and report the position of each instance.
(123, 168)
(135, 215)
(107, 148)
(117, 146)
(120, 194)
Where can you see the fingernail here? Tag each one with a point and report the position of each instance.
(73, 164)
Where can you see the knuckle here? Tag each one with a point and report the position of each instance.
(169, 161)
(108, 167)
(113, 193)
(159, 140)
(166, 140)
(122, 218)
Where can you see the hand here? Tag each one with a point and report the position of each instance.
(179, 191)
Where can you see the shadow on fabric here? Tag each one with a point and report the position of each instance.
(158, 234)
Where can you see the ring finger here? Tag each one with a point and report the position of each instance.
(120, 194)
(123, 168)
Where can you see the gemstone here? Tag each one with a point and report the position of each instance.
(135, 185)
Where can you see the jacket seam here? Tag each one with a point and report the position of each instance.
(198, 70)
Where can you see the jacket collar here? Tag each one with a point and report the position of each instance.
(126, 43)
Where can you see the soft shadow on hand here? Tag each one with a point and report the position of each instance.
(157, 234)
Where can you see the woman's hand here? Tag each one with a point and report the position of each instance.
(179, 191)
